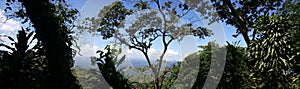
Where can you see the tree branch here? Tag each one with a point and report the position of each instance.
(243, 29)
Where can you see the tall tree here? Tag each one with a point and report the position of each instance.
(155, 20)
(51, 19)
(243, 13)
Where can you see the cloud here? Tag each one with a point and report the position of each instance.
(88, 50)
(172, 52)
(129, 51)
(154, 54)
(169, 55)
(8, 25)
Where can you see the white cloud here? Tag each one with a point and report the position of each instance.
(88, 50)
(8, 25)
(132, 53)
(154, 54)
(129, 51)
(172, 52)
(169, 55)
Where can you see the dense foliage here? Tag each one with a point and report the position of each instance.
(40, 56)
(51, 21)
(21, 66)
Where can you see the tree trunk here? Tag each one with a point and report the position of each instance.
(50, 32)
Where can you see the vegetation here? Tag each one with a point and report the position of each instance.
(51, 25)
(23, 67)
(147, 28)
(40, 56)
(90, 78)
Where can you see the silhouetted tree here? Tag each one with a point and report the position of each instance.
(51, 20)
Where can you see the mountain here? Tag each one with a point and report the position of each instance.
(85, 62)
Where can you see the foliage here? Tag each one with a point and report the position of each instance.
(21, 66)
(51, 20)
(148, 27)
(111, 18)
(235, 71)
(108, 70)
(291, 10)
(273, 49)
(271, 59)
(272, 53)
(90, 78)
(170, 79)
(188, 75)
(242, 14)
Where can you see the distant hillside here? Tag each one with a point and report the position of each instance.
(85, 62)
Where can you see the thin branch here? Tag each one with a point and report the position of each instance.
(185, 13)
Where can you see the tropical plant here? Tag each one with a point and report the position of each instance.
(108, 70)
(52, 20)
(272, 53)
(22, 66)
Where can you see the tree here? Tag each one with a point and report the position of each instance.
(235, 71)
(274, 34)
(148, 27)
(242, 14)
(272, 53)
(51, 20)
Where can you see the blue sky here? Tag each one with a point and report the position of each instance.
(89, 45)
(188, 45)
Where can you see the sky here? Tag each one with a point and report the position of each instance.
(90, 44)
(177, 50)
